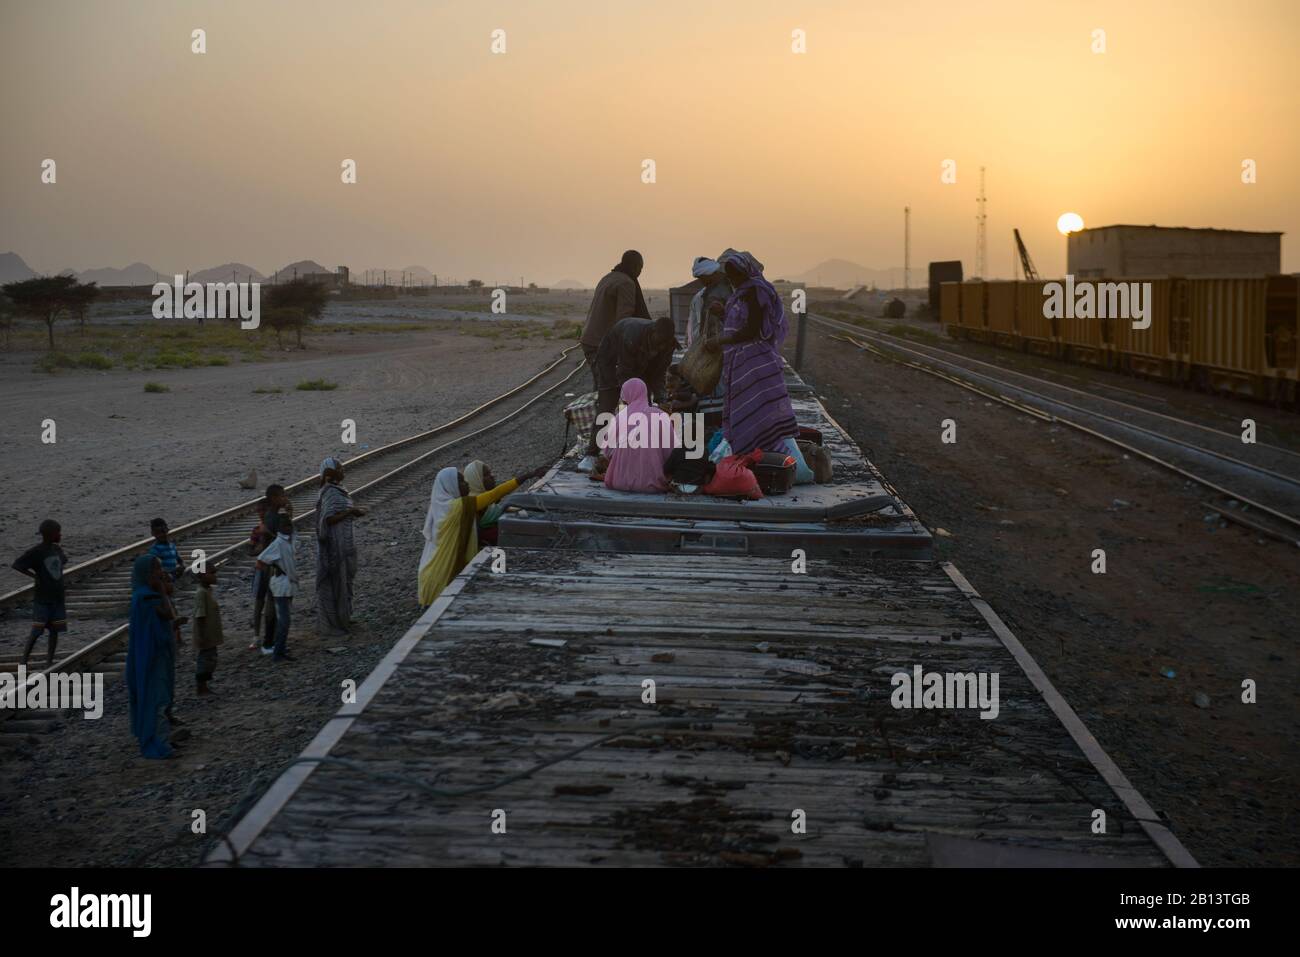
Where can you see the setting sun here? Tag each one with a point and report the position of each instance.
(1069, 223)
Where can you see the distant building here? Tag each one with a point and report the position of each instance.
(1154, 251)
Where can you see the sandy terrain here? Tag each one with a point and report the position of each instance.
(123, 456)
(1026, 503)
(84, 796)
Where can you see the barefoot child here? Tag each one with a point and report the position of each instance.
(207, 630)
(44, 563)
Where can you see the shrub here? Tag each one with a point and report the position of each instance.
(94, 360)
(53, 361)
(155, 387)
(316, 385)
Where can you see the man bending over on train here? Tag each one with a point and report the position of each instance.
(633, 349)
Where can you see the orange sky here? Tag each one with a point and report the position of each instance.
(529, 163)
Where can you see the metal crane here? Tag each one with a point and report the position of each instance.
(1026, 263)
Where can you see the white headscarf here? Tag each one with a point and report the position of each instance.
(446, 489)
(704, 266)
(474, 477)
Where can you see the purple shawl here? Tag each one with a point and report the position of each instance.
(775, 327)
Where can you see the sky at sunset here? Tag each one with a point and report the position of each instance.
(529, 163)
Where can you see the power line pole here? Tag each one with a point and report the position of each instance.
(981, 231)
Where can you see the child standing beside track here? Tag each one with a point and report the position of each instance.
(262, 536)
(165, 550)
(207, 630)
(277, 562)
(44, 563)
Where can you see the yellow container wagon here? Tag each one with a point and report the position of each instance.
(973, 320)
(1000, 314)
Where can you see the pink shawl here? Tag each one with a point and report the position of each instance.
(639, 469)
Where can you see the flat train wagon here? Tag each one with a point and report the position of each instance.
(858, 514)
(588, 704)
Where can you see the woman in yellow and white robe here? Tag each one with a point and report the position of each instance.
(451, 529)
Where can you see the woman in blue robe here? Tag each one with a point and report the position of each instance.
(150, 658)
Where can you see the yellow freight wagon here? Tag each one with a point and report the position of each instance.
(950, 306)
(1000, 311)
(1160, 350)
(1228, 333)
(1038, 333)
(973, 320)
(1243, 335)
(1282, 338)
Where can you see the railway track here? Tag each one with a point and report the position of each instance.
(1262, 480)
(98, 590)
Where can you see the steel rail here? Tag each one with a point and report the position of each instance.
(1141, 453)
(107, 644)
(76, 572)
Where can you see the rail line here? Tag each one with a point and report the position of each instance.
(1272, 494)
(101, 584)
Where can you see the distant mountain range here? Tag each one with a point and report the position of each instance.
(840, 273)
(13, 269)
(843, 274)
(136, 274)
(301, 268)
(241, 272)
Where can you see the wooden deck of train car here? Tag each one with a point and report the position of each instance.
(526, 692)
(857, 514)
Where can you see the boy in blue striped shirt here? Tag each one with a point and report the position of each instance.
(165, 550)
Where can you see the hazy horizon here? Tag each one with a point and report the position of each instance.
(529, 163)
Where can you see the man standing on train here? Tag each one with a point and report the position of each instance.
(618, 296)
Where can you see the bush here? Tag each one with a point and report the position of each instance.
(171, 360)
(155, 387)
(94, 360)
(53, 361)
(218, 361)
(265, 391)
(316, 385)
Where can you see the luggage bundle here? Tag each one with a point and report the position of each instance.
(702, 367)
(581, 414)
(775, 472)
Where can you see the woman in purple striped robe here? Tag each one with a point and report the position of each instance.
(757, 413)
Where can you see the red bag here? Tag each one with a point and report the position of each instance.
(734, 479)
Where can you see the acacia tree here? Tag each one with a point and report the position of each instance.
(307, 298)
(79, 302)
(282, 318)
(47, 298)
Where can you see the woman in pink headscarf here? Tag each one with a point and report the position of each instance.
(638, 442)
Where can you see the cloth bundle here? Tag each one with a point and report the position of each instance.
(686, 471)
(819, 460)
(734, 478)
(701, 367)
(581, 414)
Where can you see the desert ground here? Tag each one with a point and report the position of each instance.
(1021, 505)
